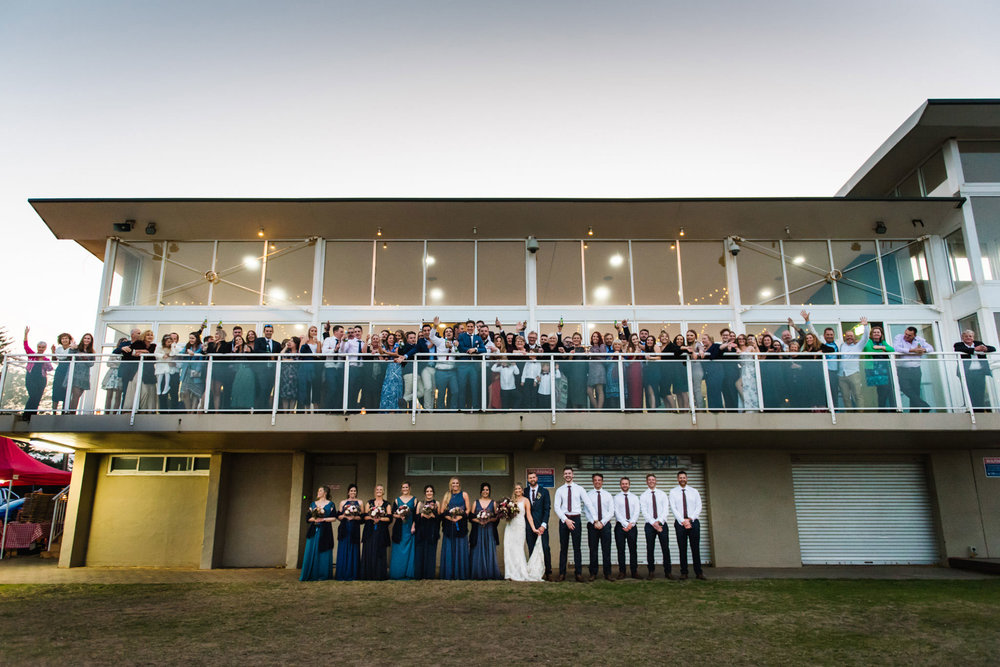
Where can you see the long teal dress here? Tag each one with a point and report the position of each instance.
(392, 387)
(349, 551)
(317, 562)
(401, 563)
(483, 547)
(455, 544)
(242, 395)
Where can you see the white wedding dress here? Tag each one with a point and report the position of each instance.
(517, 566)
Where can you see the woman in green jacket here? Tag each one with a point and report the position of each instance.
(877, 370)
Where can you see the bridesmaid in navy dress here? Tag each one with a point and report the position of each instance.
(454, 533)
(401, 565)
(317, 562)
(349, 551)
(375, 539)
(426, 525)
(483, 539)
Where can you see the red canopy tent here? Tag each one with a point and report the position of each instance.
(24, 470)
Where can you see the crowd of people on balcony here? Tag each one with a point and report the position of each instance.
(440, 368)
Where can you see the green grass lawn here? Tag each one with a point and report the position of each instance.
(424, 623)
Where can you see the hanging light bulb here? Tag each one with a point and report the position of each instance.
(379, 232)
(590, 231)
(681, 233)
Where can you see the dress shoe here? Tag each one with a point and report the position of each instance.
(621, 574)
(635, 575)
(580, 578)
(683, 577)
(591, 577)
(560, 577)
(650, 576)
(702, 577)
(610, 578)
(547, 577)
(670, 576)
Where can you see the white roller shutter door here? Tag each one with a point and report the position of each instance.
(666, 480)
(864, 513)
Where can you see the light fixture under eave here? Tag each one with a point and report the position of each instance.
(379, 232)
(590, 231)
(681, 232)
(385, 246)
(616, 260)
(260, 232)
(880, 227)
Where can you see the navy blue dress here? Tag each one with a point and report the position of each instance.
(483, 546)
(455, 544)
(317, 561)
(425, 541)
(349, 551)
(375, 541)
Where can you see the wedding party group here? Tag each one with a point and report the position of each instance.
(410, 529)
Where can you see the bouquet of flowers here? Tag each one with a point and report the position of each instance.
(377, 512)
(507, 509)
(484, 515)
(402, 511)
(456, 512)
(429, 508)
(316, 512)
(351, 510)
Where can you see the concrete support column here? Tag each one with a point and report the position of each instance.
(211, 545)
(296, 524)
(79, 508)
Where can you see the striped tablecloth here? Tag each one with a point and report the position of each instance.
(23, 535)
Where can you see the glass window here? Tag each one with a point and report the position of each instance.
(654, 328)
(970, 323)
(807, 265)
(150, 464)
(399, 273)
(451, 273)
(289, 273)
(569, 328)
(284, 330)
(182, 329)
(238, 265)
(761, 281)
(178, 463)
(202, 463)
(418, 464)
(124, 463)
(347, 273)
(958, 260)
(116, 332)
(444, 464)
(980, 161)
(607, 272)
(986, 211)
(497, 464)
(470, 464)
(136, 275)
(559, 273)
(858, 265)
(934, 173)
(184, 282)
(506, 259)
(710, 328)
(654, 268)
(904, 265)
(703, 265)
(910, 187)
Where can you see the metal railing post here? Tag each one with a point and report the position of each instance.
(277, 389)
(965, 389)
(482, 383)
(413, 394)
(552, 386)
(138, 391)
(343, 403)
(690, 374)
(757, 381)
(3, 377)
(69, 384)
(208, 383)
(621, 384)
(829, 390)
(895, 383)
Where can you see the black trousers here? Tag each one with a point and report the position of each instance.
(909, 385)
(603, 538)
(692, 535)
(975, 380)
(713, 389)
(264, 375)
(565, 535)
(631, 538)
(651, 538)
(546, 554)
(730, 375)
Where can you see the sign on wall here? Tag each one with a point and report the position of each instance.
(644, 462)
(992, 464)
(546, 476)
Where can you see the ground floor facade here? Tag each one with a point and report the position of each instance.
(763, 506)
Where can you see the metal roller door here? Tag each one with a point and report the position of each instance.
(665, 480)
(864, 513)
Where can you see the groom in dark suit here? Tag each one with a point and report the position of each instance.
(541, 506)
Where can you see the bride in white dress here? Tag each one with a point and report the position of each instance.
(517, 566)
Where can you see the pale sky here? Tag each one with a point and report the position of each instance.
(429, 98)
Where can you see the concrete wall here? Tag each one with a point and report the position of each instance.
(988, 491)
(147, 520)
(256, 488)
(752, 505)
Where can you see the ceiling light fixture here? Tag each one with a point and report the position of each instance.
(379, 232)
(260, 232)
(590, 231)
(880, 227)
(681, 233)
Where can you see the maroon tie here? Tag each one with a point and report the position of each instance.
(628, 515)
(655, 513)
(569, 500)
(600, 513)
(684, 499)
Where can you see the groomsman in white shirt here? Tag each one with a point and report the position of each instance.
(626, 516)
(656, 510)
(571, 500)
(685, 505)
(599, 527)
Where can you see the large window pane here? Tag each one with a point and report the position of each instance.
(859, 283)
(501, 259)
(137, 274)
(761, 281)
(910, 187)
(115, 332)
(238, 265)
(399, 273)
(607, 272)
(958, 260)
(654, 268)
(347, 274)
(986, 211)
(970, 323)
(451, 273)
(289, 273)
(703, 266)
(934, 173)
(906, 276)
(559, 273)
(807, 264)
(980, 161)
(184, 282)
(710, 328)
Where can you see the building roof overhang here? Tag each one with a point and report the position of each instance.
(935, 122)
(90, 221)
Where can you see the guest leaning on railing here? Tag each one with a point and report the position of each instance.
(977, 367)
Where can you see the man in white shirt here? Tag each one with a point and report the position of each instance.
(849, 369)
(912, 347)
(656, 508)
(352, 348)
(333, 370)
(685, 505)
(626, 517)
(571, 499)
(599, 526)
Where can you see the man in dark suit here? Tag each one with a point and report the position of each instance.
(720, 378)
(541, 506)
(472, 346)
(264, 373)
(977, 368)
